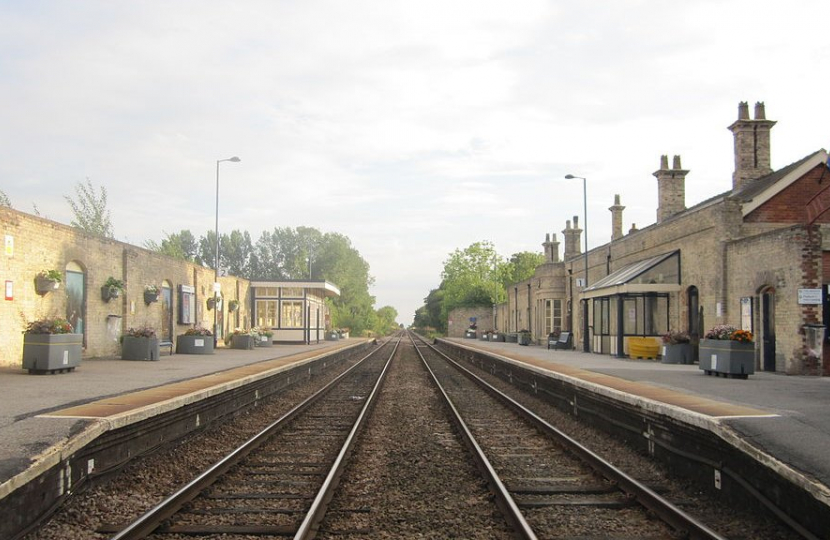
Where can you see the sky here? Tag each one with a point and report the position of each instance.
(415, 128)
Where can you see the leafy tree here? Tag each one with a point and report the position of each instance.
(386, 320)
(471, 277)
(521, 266)
(181, 245)
(90, 209)
(4, 199)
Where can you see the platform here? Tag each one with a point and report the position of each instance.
(41, 414)
(785, 417)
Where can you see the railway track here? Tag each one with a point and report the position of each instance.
(414, 478)
(546, 483)
(279, 481)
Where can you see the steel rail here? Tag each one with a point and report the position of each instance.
(147, 523)
(504, 500)
(315, 514)
(682, 522)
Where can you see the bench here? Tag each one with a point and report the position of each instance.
(168, 344)
(564, 341)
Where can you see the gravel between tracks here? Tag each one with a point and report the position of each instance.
(410, 476)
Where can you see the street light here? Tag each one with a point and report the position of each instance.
(585, 339)
(216, 258)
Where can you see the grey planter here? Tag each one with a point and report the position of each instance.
(332, 336)
(264, 341)
(242, 341)
(51, 353)
(498, 336)
(511, 338)
(470, 334)
(523, 338)
(140, 348)
(194, 344)
(45, 285)
(730, 358)
(678, 353)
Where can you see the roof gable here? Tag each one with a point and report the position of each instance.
(783, 195)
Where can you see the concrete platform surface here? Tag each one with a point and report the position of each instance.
(32, 421)
(784, 416)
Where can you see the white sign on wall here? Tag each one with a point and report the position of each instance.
(809, 297)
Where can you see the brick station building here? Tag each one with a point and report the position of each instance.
(756, 257)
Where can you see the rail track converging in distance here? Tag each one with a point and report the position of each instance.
(408, 442)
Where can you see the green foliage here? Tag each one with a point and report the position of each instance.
(181, 245)
(4, 199)
(472, 277)
(90, 209)
(386, 321)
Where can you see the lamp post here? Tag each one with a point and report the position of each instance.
(585, 338)
(216, 257)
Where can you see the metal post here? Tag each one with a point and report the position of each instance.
(586, 341)
(216, 256)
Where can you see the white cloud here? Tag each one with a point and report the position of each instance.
(415, 128)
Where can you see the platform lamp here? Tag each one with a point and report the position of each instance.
(585, 338)
(216, 257)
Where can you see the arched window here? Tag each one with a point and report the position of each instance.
(76, 297)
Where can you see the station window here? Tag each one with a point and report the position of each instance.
(553, 315)
(292, 292)
(266, 313)
(292, 315)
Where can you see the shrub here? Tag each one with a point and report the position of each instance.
(674, 337)
(198, 331)
(56, 325)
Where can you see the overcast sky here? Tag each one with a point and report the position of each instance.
(413, 127)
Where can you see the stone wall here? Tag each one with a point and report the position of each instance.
(33, 244)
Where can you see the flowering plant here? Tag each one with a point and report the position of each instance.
(55, 325)
(729, 332)
(142, 331)
(674, 337)
(263, 331)
(53, 275)
(198, 331)
(153, 289)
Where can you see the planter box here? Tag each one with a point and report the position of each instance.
(470, 334)
(264, 341)
(497, 337)
(51, 353)
(730, 358)
(678, 353)
(194, 344)
(242, 341)
(45, 285)
(511, 338)
(140, 348)
(332, 336)
(523, 339)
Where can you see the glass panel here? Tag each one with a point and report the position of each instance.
(166, 311)
(75, 300)
(261, 292)
(667, 271)
(630, 316)
(266, 313)
(557, 315)
(292, 315)
(613, 325)
(292, 292)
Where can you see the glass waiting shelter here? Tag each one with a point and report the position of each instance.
(633, 301)
(295, 311)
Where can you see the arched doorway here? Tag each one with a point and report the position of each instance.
(166, 310)
(768, 329)
(76, 298)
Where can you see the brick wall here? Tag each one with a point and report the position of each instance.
(34, 244)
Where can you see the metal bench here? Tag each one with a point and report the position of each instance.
(564, 341)
(168, 344)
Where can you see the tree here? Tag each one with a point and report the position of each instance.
(472, 277)
(181, 245)
(386, 320)
(522, 266)
(4, 199)
(90, 209)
